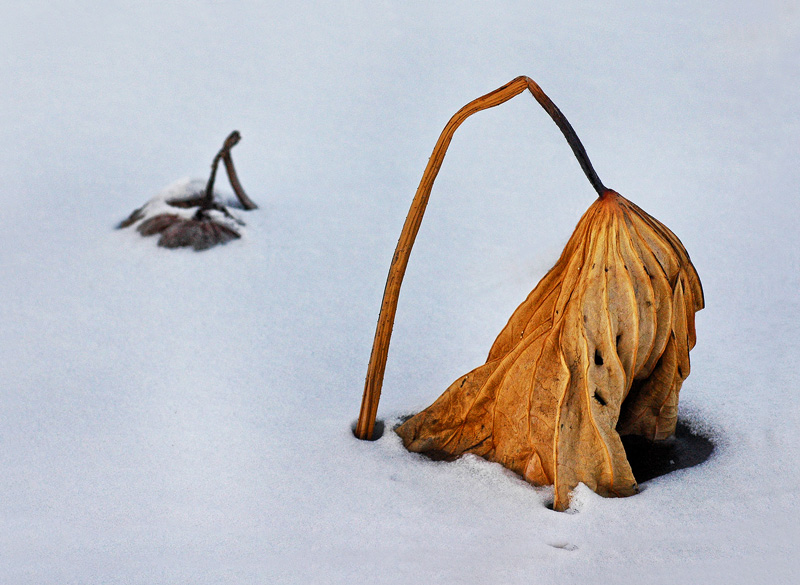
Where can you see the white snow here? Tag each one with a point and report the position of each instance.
(171, 417)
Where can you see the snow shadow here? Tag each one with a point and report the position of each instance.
(648, 459)
(377, 431)
(651, 459)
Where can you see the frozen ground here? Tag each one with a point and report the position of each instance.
(171, 417)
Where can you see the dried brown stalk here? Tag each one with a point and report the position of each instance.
(246, 202)
(383, 333)
(599, 349)
(225, 154)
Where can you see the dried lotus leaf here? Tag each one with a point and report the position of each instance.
(193, 218)
(567, 374)
(199, 234)
(599, 349)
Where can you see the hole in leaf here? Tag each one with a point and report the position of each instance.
(599, 398)
(598, 358)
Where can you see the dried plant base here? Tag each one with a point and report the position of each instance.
(179, 232)
(198, 234)
(188, 215)
(648, 459)
(157, 224)
(599, 349)
(183, 218)
(135, 216)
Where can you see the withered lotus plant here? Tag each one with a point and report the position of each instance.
(189, 216)
(598, 350)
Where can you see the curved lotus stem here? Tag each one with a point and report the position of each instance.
(225, 154)
(246, 202)
(383, 333)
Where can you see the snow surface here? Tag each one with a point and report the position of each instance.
(171, 417)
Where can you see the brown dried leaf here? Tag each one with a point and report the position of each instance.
(200, 234)
(600, 348)
(135, 216)
(209, 225)
(158, 223)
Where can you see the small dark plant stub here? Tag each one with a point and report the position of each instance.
(186, 216)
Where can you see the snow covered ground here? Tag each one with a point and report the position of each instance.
(171, 417)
